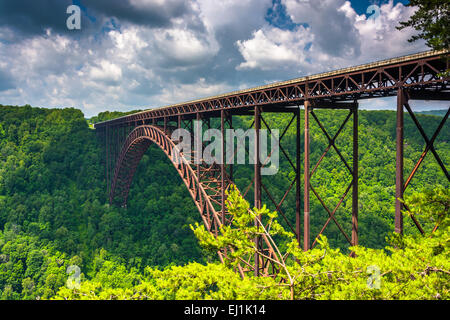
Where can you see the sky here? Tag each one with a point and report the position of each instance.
(140, 54)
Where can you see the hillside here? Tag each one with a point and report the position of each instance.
(434, 112)
(53, 209)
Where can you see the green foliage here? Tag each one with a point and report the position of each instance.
(432, 205)
(432, 20)
(246, 226)
(418, 270)
(109, 115)
(52, 185)
(191, 282)
(54, 214)
(29, 269)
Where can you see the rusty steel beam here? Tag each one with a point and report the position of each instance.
(429, 95)
(222, 164)
(355, 177)
(306, 218)
(429, 143)
(298, 189)
(428, 147)
(399, 163)
(257, 182)
(294, 167)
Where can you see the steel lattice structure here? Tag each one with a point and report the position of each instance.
(418, 76)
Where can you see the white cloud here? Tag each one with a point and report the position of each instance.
(183, 47)
(272, 48)
(174, 93)
(237, 17)
(107, 72)
(380, 38)
(334, 31)
(210, 48)
(339, 38)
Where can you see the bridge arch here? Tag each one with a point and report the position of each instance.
(132, 151)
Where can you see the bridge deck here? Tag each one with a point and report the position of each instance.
(381, 78)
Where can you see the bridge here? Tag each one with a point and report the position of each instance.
(414, 77)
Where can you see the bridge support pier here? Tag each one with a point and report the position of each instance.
(353, 170)
(297, 179)
(355, 193)
(399, 163)
(257, 181)
(400, 185)
(306, 218)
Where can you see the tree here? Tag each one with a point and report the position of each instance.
(417, 269)
(239, 238)
(432, 20)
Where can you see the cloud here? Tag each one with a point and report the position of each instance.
(6, 81)
(335, 36)
(180, 47)
(139, 54)
(174, 93)
(153, 13)
(380, 38)
(334, 31)
(107, 72)
(273, 48)
(34, 17)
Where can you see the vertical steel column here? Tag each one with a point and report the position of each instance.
(165, 125)
(297, 179)
(198, 144)
(124, 136)
(117, 148)
(355, 177)
(399, 164)
(107, 158)
(306, 231)
(257, 179)
(222, 164)
(230, 166)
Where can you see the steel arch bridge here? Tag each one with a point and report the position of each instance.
(417, 77)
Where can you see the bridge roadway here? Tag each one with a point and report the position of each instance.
(378, 79)
(417, 76)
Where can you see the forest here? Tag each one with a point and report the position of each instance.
(54, 213)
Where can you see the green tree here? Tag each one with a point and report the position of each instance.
(432, 21)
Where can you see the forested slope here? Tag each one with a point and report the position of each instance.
(54, 211)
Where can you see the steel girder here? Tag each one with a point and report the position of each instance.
(372, 80)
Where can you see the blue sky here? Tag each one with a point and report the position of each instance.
(139, 54)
